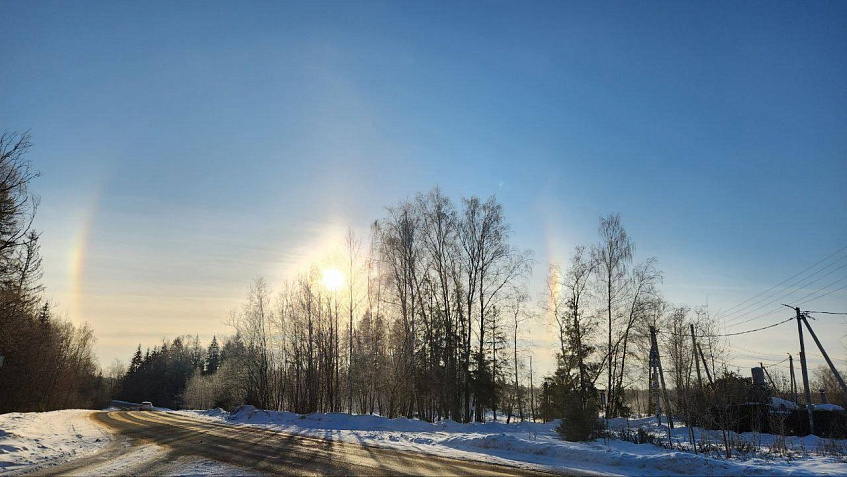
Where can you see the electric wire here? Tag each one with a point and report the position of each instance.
(771, 365)
(751, 307)
(723, 335)
(741, 350)
(825, 294)
(801, 301)
(789, 278)
(785, 296)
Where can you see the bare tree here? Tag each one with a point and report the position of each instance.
(520, 314)
(353, 246)
(640, 298)
(613, 255)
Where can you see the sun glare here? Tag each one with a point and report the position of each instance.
(333, 279)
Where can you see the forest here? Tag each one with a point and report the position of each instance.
(47, 362)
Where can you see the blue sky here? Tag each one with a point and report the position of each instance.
(187, 147)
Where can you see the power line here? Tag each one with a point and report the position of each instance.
(800, 300)
(740, 350)
(769, 312)
(759, 329)
(785, 295)
(723, 335)
(771, 365)
(825, 294)
(820, 356)
(788, 279)
(823, 287)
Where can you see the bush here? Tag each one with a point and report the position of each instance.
(222, 389)
(638, 436)
(580, 421)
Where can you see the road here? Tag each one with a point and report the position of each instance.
(158, 443)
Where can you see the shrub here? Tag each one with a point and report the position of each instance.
(638, 436)
(580, 420)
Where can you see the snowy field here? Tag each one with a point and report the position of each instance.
(536, 445)
(34, 438)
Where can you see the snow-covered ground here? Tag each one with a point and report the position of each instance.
(33, 438)
(28, 440)
(537, 445)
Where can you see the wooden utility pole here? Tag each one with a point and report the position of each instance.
(696, 358)
(805, 372)
(531, 390)
(768, 375)
(793, 380)
(653, 388)
(655, 346)
(705, 365)
(825, 356)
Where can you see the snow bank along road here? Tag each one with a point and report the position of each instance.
(151, 443)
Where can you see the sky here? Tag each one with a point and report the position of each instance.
(189, 147)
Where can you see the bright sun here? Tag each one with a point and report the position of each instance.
(333, 279)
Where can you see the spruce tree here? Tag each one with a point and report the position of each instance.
(213, 358)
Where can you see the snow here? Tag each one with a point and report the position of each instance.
(536, 445)
(783, 404)
(33, 438)
(29, 440)
(153, 459)
(191, 466)
(126, 404)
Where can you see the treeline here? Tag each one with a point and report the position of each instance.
(161, 375)
(430, 322)
(418, 328)
(47, 362)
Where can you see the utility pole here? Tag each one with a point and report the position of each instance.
(805, 371)
(793, 380)
(655, 346)
(696, 358)
(768, 375)
(531, 390)
(705, 365)
(826, 356)
(653, 390)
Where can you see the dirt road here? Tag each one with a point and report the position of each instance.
(160, 443)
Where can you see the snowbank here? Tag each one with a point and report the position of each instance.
(529, 445)
(32, 438)
(126, 405)
(783, 404)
